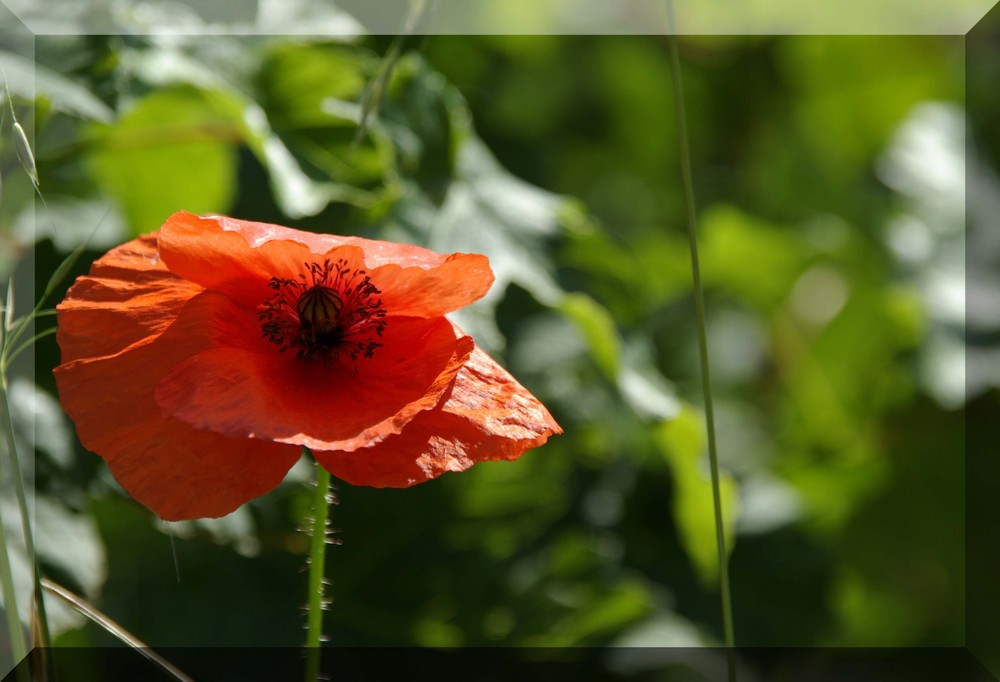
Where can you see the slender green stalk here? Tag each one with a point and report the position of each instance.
(18, 648)
(7, 424)
(17, 641)
(706, 375)
(372, 98)
(27, 344)
(88, 610)
(17, 644)
(317, 560)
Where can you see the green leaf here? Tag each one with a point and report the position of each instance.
(736, 248)
(307, 103)
(66, 541)
(296, 80)
(598, 328)
(488, 210)
(634, 279)
(236, 529)
(71, 221)
(175, 150)
(610, 612)
(299, 92)
(28, 79)
(643, 386)
(854, 90)
(682, 442)
(38, 417)
(455, 196)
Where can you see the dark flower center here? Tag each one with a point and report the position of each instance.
(328, 310)
(319, 310)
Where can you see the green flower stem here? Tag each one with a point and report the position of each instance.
(317, 560)
(706, 377)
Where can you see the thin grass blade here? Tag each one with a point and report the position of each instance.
(371, 101)
(86, 609)
(60, 272)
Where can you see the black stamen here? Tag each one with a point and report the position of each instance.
(328, 310)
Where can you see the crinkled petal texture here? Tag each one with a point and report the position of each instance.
(261, 393)
(486, 416)
(237, 257)
(118, 335)
(169, 377)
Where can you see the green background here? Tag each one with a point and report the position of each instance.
(828, 177)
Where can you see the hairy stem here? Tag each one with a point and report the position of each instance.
(317, 560)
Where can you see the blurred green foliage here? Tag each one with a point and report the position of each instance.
(556, 157)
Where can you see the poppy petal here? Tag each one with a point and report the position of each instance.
(242, 391)
(377, 251)
(459, 280)
(487, 416)
(238, 258)
(173, 369)
(174, 469)
(111, 339)
(129, 296)
(198, 250)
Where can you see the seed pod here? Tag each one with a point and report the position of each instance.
(24, 154)
(319, 309)
(8, 318)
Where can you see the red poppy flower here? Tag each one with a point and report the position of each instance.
(199, 359)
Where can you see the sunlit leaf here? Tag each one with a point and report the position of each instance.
(737, 248)
(607, 613)
(644, 387)
(598, 328)
(295, 80)
(308, 96)
(682, 442)
(487, 210)
(174, 150)
(856, 89)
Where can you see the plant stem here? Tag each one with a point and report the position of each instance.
(88, 610)
(706, 376)
(7, 424)
(372, 98)
(27, 344)
(18, 648)
(317, 560)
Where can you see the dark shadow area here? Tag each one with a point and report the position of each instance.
(983, 410)
(248, 665)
